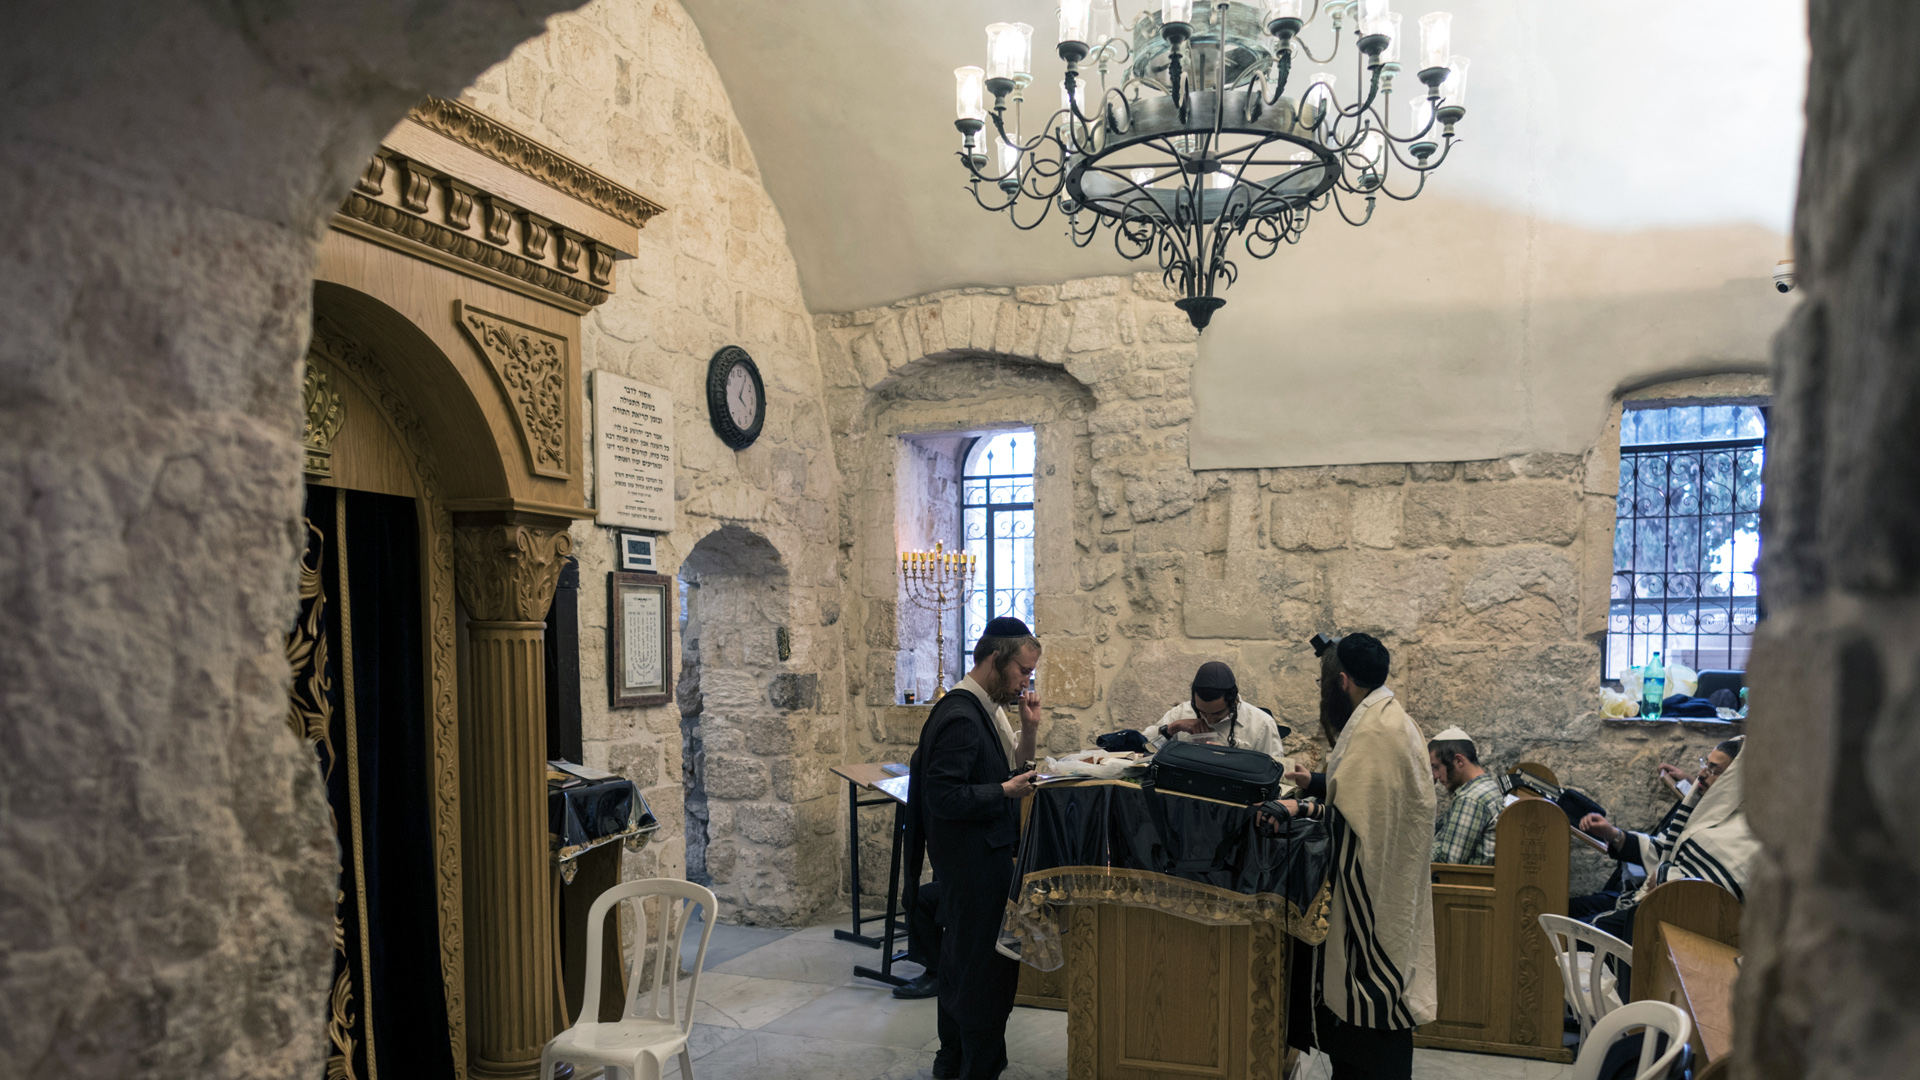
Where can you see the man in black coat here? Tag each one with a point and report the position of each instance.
(969, 776)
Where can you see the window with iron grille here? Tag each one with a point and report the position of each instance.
(996, 510)
(1686, 536)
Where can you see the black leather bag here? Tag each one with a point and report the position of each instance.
(1123, 741)
(1227, 773)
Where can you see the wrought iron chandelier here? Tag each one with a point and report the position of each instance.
(1199, 144)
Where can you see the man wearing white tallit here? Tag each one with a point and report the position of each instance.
(1360, 995)
(1707, 837)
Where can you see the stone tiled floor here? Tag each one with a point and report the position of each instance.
(780, 1005)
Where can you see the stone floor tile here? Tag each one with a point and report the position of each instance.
(799, 960)
(1037, 1038)
(726, 943)
(1547, 1070)
(1445, 1065)
(768, 1055)
(823, 928)
(746, 1001)
(861, 1015)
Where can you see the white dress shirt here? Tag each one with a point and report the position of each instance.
(1253, 728)
(1000, 722)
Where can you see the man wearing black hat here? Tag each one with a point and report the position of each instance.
(1357, 997)
(1215, 713)
(969, 776)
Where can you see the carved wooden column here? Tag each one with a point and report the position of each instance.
(508, 565)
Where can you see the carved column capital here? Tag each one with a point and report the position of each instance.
(507, 570)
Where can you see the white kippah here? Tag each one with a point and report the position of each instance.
(1452, 734)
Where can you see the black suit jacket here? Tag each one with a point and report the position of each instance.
(958, 816)
(957, 773)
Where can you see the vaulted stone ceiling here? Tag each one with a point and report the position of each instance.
(1623, 188)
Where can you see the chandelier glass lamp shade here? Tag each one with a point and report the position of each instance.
(1200, 140)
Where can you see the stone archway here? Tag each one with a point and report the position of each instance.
(739, 737)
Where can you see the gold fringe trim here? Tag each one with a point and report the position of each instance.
(1037, 920)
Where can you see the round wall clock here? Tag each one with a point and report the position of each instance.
(736, 399)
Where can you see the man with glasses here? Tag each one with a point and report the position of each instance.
(1682, 847)
(1214, 713)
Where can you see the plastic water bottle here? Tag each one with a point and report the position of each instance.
(1653, 688)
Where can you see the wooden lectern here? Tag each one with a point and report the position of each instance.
(1152, 996)
(1164, 976)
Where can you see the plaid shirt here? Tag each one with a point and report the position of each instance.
(1465, 835)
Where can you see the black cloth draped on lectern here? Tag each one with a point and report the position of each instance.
(1099, 842)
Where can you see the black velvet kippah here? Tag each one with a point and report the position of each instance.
(1214, 676)
(1006, 626)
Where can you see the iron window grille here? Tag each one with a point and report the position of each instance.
(996, 510)
(1686, 537)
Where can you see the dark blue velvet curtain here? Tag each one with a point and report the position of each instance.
(392, 1000)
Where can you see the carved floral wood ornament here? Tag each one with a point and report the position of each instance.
(324, 417)
(530, 367)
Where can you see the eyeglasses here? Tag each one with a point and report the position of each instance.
(1710, 767)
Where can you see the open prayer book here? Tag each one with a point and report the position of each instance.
(1090, 765)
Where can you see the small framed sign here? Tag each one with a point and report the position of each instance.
(635, 552)
(640, 612)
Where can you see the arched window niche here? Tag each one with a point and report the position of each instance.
(1685, 528)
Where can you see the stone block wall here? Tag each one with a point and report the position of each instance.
(167, 867)
(628, 89)
(1826, 989)
(1487, 579)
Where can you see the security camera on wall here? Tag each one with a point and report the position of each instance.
(1783, 275)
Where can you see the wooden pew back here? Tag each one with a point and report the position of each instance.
(1499, 989)
(1699, 906)
(1697, 975)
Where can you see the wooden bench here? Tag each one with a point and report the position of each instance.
(1699, 906)
(1696, 974)
(1499, 987)
(1686, 950)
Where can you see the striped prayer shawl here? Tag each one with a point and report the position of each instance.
(1377, 967)
(1707, 838)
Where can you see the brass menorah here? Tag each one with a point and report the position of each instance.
(936, 580)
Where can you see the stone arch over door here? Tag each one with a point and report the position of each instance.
(754, 819)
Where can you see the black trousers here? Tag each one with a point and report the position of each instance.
(1361, 1053)
(924, 930)
(1591, 906)
(982, 1050)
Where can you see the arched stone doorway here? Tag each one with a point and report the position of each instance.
(743, 722)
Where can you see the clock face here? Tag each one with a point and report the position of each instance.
(736, 399)
(743, 398)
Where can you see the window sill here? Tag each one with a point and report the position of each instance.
(1690, 723)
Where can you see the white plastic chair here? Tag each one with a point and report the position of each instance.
(1585, 977)
(1658, 1017)
(648, 1031)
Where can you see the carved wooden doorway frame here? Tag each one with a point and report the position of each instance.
(460, 266)
(340, 369)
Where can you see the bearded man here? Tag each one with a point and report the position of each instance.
(963, 811)
(1358, 996)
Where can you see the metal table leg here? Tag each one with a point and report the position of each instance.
(853, 861)
(888, 956)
